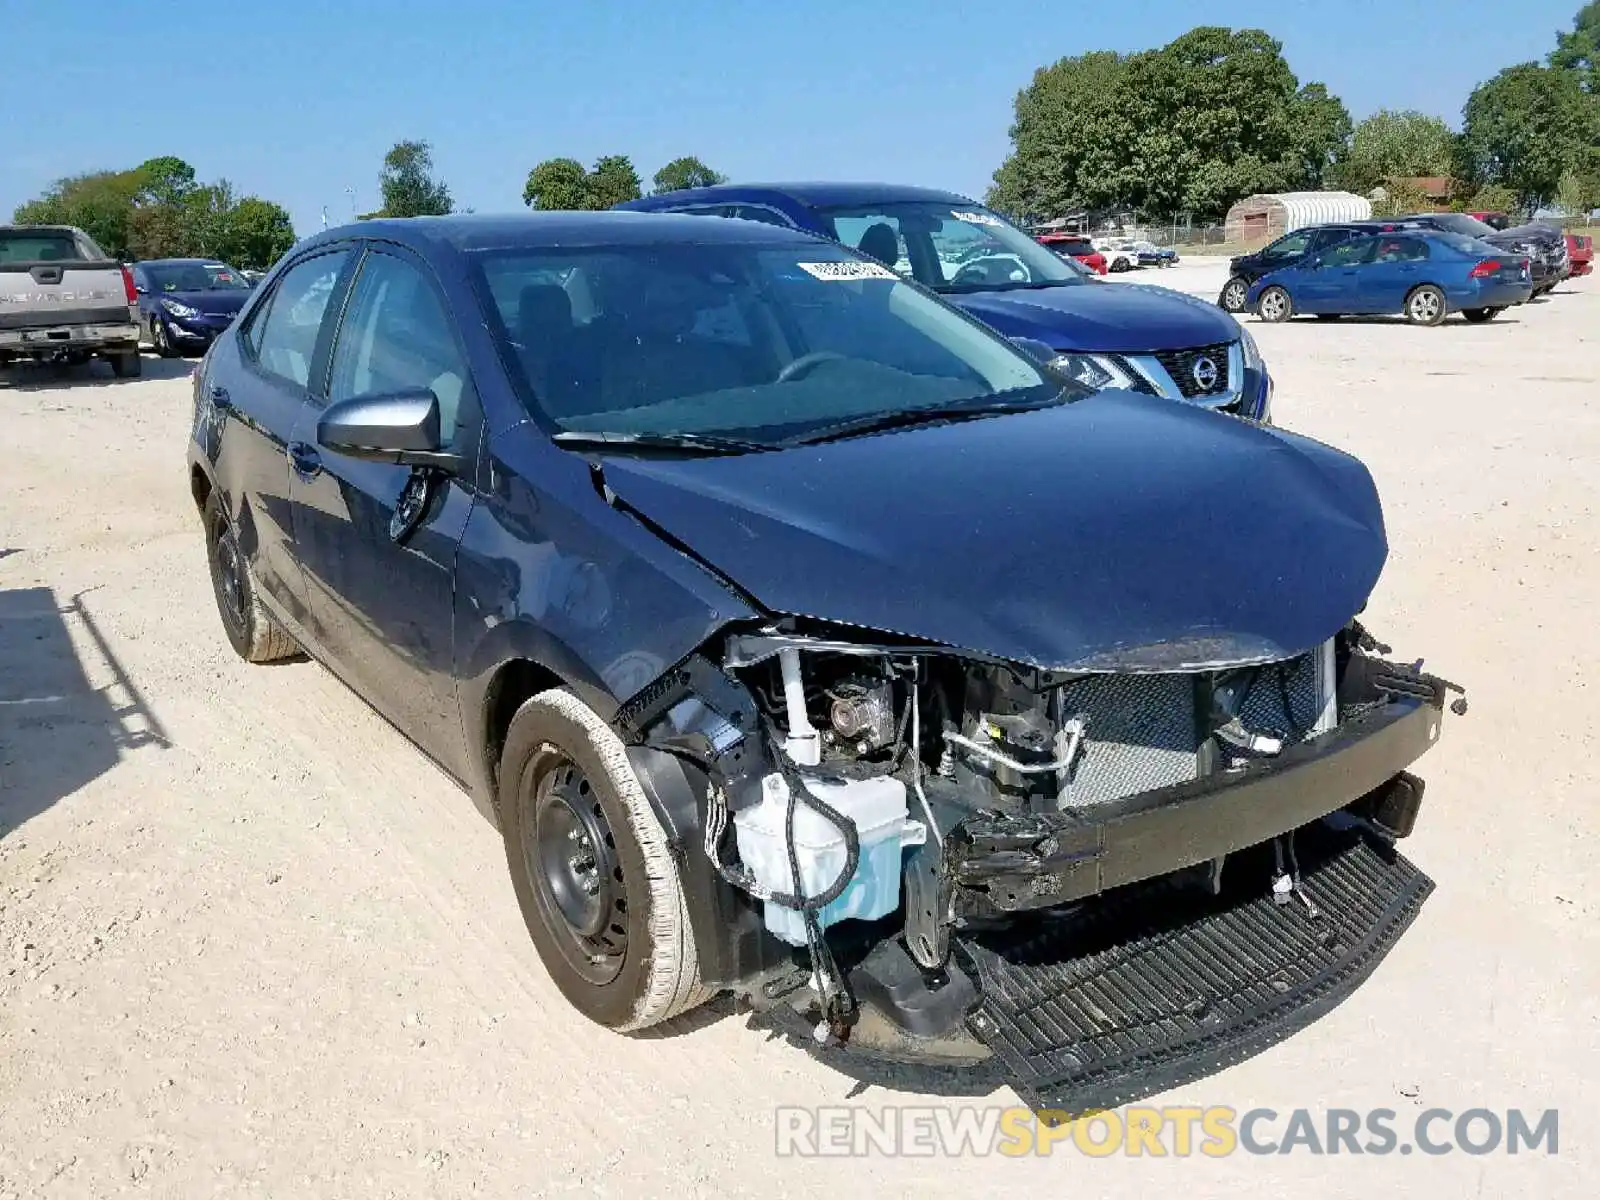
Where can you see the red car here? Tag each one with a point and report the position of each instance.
(1075, 245)
(1580, 252)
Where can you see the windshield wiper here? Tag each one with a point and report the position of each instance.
(693, 443)
(907, 417)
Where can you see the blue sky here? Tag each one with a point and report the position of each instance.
(296, 101)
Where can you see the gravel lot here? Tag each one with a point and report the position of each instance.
(252, 944)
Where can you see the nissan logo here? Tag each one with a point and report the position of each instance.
(1205, 373)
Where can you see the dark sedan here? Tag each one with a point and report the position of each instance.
(185, 302)
(807, 639)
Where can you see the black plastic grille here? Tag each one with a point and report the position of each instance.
(1180, 364)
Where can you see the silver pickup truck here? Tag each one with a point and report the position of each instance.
(63, 300)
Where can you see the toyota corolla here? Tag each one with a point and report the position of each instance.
(807, 640)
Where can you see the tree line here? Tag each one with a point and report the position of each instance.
(1217, 114)
(159, 209)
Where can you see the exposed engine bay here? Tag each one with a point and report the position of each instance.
(870, 800)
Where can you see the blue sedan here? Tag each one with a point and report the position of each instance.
(1422, 274)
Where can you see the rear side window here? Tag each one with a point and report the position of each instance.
(283, 337)
(1402, 250)
(30, 246)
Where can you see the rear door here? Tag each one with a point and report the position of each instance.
(1399, 265)
(381, 594)
(278, 349)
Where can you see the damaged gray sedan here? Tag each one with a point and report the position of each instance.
(808, 641)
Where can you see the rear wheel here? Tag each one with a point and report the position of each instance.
(1479, 315)
(1425, 305)
(592, 868)
(127, 365)
(252, 631)
(1275, 305)
(1234, 294)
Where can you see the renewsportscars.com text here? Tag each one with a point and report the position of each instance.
(1172, 1131)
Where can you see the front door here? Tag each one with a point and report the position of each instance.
(382, 594)
(1333, 283)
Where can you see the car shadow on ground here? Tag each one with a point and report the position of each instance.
(34, 377)
(1453, 321)
(68, 708)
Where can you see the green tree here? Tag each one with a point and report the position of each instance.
(1188, 128)
(100, 203)
(612, 180)
(1578, 51)
(407, 183)
(256, 233)
(557, 183)
(1527, 128)
(1396, 145)
(165, 180)
(683, 173)
(1491, 198)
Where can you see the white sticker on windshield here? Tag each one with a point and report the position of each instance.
(846, 270)
(975, 218)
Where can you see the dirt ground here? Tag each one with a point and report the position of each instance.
(252, 944)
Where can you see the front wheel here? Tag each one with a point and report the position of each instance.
(1275, 305)
(1425, 305)
(1479, 315)
(1234, 294)
(594, 873)
(159, 338)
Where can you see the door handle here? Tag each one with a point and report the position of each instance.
(304, 459)
(219, 396)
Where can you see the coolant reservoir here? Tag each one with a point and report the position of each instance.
(878, 809)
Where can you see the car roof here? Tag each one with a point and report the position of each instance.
(551, 230)
(824, 194)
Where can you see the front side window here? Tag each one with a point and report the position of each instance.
(395, 336)
(1288, 247)
(754, 340)
(949, 248)
(1350, 254)
(283, 337)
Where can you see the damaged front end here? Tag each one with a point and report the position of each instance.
(1110, 880)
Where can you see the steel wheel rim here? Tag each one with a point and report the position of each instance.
(230, 574)
(571, 857)
(1425, 306)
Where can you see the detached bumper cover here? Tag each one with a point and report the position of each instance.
(1154, 988)
(1007, 864)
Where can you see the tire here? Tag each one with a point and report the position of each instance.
(1479, 315)
(1234, 295)
(159, 338)
(593, 871)
(1426, 305)
(127, 365)
(252, 631)
(1274, 305)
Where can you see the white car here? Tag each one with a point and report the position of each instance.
(1120, 254)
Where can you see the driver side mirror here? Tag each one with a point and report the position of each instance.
(399, 427)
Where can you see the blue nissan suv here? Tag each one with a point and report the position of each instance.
(1133, 336)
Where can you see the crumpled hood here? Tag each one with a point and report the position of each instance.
(217, 302)
(1118, 532)
(1127, 319)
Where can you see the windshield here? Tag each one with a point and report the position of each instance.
(745, 340)
(949, 248)
(1467, 245)
(195, 277)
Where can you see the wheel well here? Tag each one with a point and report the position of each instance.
(199, 487)
(515, 682)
